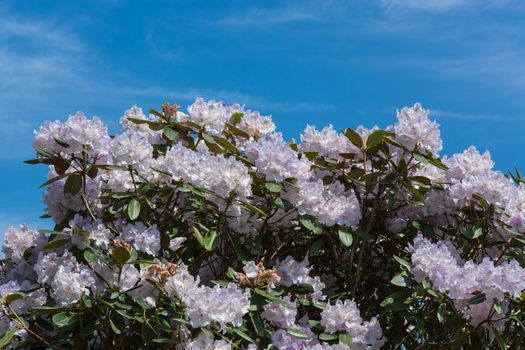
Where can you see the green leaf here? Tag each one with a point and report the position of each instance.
(236, 131)
(403, 262)
(355, 173)
(54, 244)
(133, 256)
(117, 322)
(109, 167)
(170, 134)
(477, 299)
(253, 209)
(158, 114)
(482, 201)
(60, 142)
(140, 121)
(397, 301)
(236, 117)
(303, 288)
(298, 333)
(257, 324)
(354, 137)
(420, 158)
(272, 297)
(43, 153)
(273, 187)
(375, 138)
(316, 247)
(499, 340)
(199, 236)
(211, 241)
(13, 297)
(517, 242)
(6, 338)
(89, 255)
(437, 163)
(141, 302)
(497, 306)
(310, 225)
(212, 145)
(473, 232)
(345, 237)
(73, 184)
(166, 341)
(239, 250)
(86, 300)
(242, 334)
(227, 145)
(147, 333)
(401, 280)
(327, 337)
(120, 254)
(345, 339)
(361, 234)
(442, 309)
(209, 138)
(65, 318)
(92, 172)
(61, 166)
(282, 203)
(133, 209)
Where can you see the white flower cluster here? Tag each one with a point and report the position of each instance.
(220, 175)
(225, 305)
(205, 342)
(469, 174)
(327, 142)
(440, 264)
(414, 129)
(77, 133)
(275, 159)
(345, 316)
(18, 239)
(67, 278)
(280, 315)
(165, 214)
(142, 238)
(332, 205)
(294, 272)
(214, 116)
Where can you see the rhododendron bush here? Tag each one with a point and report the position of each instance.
(207, 230)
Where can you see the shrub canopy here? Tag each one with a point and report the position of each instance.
(206, 230)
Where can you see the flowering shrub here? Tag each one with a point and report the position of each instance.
(207, 230)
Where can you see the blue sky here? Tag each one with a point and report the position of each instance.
(318, 62)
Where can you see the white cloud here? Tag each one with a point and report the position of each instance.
(286, 12)
(475, 117)
(423, 5)
(168, 54)
(39, 33)
(39, 62)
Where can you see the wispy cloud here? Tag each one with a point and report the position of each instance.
(39, 61)
(444, 6)
(45, 67)
(476, 117)
(40, 33)
(284, 13)
(423, 5)
(493, 64)
(168, 54)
